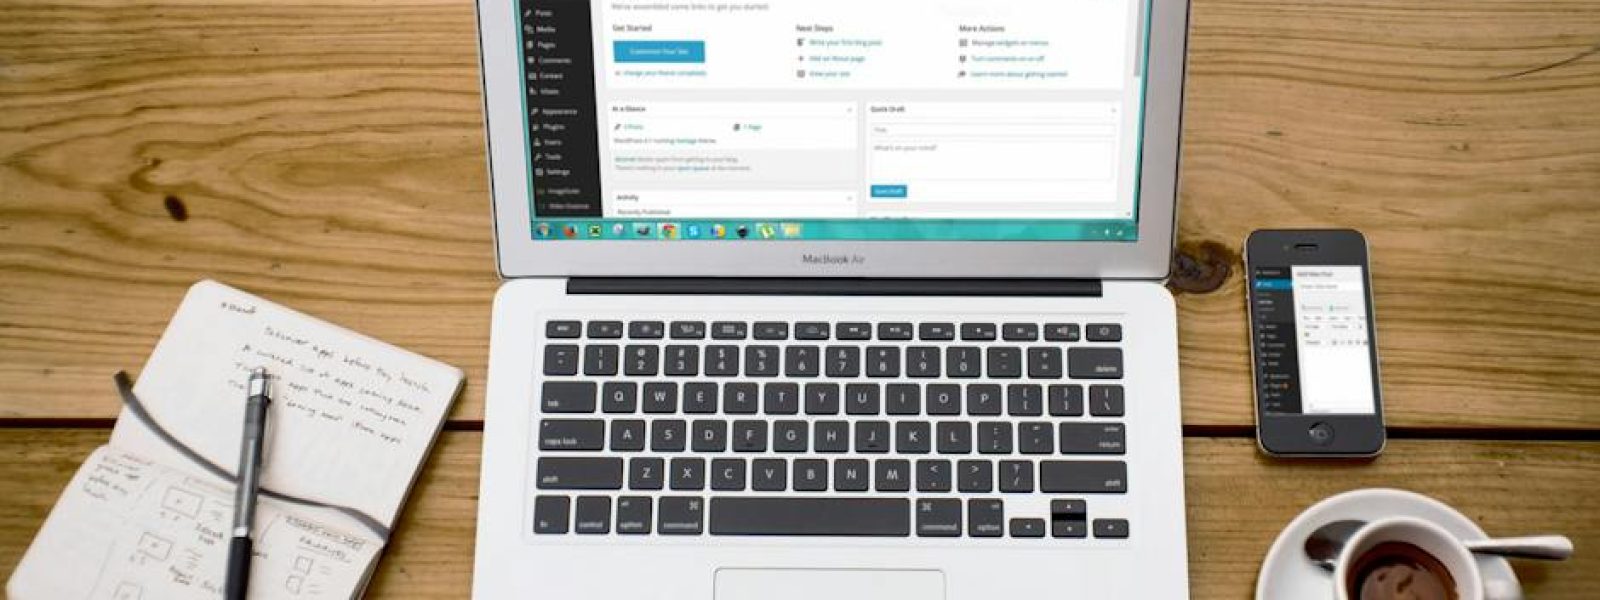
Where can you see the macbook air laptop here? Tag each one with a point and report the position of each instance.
(832, 299)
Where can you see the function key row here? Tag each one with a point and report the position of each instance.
(819, 330)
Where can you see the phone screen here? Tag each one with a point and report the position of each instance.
(1312, 341)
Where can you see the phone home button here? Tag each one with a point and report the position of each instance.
(1321, 433)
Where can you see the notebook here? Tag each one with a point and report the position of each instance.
(351, 421)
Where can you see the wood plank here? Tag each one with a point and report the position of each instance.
(1237, 502)
(328, 154)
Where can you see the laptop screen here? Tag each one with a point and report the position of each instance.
(901, 120)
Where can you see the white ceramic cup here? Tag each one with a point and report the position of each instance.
(1431, 538)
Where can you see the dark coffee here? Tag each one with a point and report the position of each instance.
(1399, 571)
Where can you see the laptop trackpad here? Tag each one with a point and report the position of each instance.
(831, 584)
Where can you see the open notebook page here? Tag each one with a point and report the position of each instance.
(351, 419)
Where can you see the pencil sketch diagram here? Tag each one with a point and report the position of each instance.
(155, 546)
(127, 590)
(183, 502)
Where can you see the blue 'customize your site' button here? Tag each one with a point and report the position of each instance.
(888, 190)
(659, 51)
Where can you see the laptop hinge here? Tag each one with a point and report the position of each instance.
(833, 286)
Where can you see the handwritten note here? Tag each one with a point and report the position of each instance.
(128, 528)
(351, 419)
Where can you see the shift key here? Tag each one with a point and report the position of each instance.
(574, 473)
(1083, 476)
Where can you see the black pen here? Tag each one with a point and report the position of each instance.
(258, 392)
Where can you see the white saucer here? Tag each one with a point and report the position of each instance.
(1288, 574)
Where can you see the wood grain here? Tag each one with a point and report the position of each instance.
(328, 155)
(1237, 503)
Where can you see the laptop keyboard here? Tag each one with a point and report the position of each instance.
(812, 428)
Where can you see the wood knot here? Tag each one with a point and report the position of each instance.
(175, 208)
(1201, 267)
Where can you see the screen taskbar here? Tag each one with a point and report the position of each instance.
(988, 230)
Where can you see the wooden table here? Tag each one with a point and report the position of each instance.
(329, 155)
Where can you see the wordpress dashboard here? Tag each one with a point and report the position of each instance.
(877, 119)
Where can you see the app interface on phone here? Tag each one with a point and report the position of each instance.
(1311, 340)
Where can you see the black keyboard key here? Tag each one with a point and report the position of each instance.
(983, 400)
(832, 437)
(593, 515)
(781, 398)
(994, 437)
(903, 399)
(561, 359)
(668, 435)
(986, 517)
(1104, 332)
(1068, 519)
(944, 399)
(641, 360)
(700, 398)
(861, 399)
(772, 330)
(1066, 400)
(1093, 438)
(922, 361)
(790, 436)
(872, 437)
(600, 360)
(1044, 363)
(572, 434)
(883, 361)
(975, 476)
(688, 330)
(550, 514)
(761, 361)
(1062, 528)
(729, 330)
(851, 475)
(955, 437)
(680, 515)
(562, 329)
(1019, 332)
(1016, 476)
(769, 475)
(646, 330)
(579, 473)
(854, 331)
(843, 361)
(936, 331)
(938, 517)
(894, 331)
(1005, 362)
(605, 329)
(710, 435)
(647, 473)
(1024, 400)
(1094, 363)
(727, 474)
(1061, 332)
(912, 437)
(627, 435)
(567, 396)
(810, 330)
(892, 475)
(977, 332)
(963, 362)
(633, 515)
(722, 361)
(740, 398)
(933, 475)
(749, 436)
(739, 515)
(1115, 529)
(687, 474)
(619, 397)
(1027, 528)
(822, 398)
(1083, 476)
(810, 475)
(660, 398)
(1106, 400)
(682, 360)
(1036, 437)
(802, 361)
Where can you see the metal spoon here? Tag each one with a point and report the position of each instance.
(1324, 544)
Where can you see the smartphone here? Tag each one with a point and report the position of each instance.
(1313, 343)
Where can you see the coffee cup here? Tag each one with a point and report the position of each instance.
(1405, 558)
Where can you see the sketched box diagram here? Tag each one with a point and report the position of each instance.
(183, 502)
(155, 546)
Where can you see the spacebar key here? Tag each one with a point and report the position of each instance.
(811, 516)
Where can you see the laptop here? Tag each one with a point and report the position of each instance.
(837, 299)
